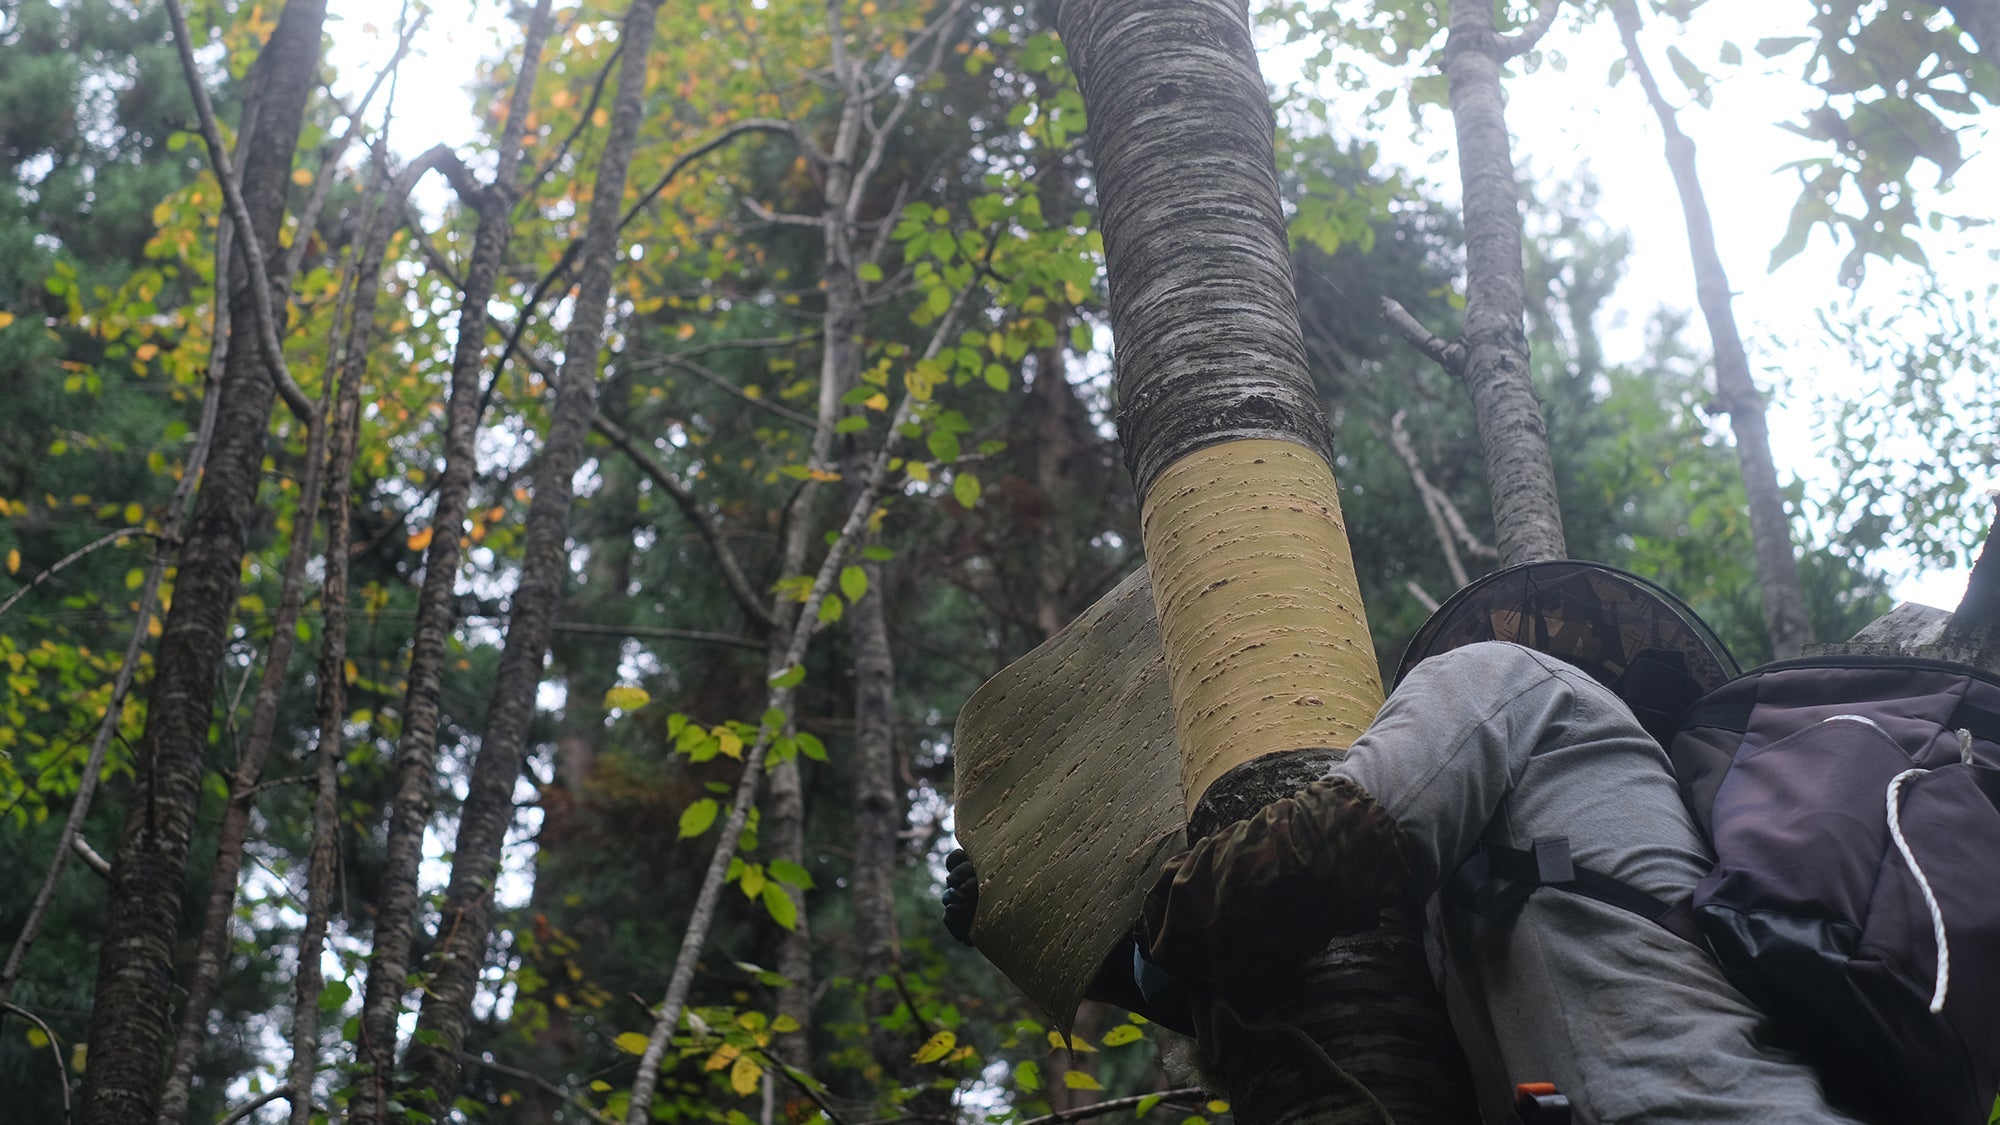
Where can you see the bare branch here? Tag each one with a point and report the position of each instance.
(540, 1083)
(55, 1048)
(243, 1112)
(782, 218)
(1449, 355)
(1524, 40)
(764, 404)
(582, 121)
(1113, 1105)
(72, 558)
(1422, 595)
(696, 513)
(239, 217)
(1446, 520)
(90, 857)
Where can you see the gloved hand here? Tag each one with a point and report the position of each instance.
(961, 894)
(1270, 891)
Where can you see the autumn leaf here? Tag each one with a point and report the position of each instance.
(626, 697)
(6, 318)
(419, 540)
(1123, 1034)
(1078, 1080)
(631, 1042)
(935, 1048)
(744, 1074)
(723, 1056)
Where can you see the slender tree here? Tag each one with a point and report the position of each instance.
(129, 1020)
(1770, 529)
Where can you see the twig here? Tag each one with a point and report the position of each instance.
(541, 1083)
(805, 1085)
(1422, 595)
(764, 404)
(1524, 40)
(239, 216)
(72, 558)
(89, 855)
(783, 218)
(1448, 355)
(582, 121)
(54, 1049)
(697, 514)
(243, 1112)
(1113, 1105)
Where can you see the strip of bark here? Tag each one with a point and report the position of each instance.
(416, 751)
(488, 812)
(1770, 529)
(129, 1021)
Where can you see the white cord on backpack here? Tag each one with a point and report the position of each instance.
(1923, 884)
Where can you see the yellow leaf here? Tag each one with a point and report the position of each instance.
(135, 578)
(301, 176)
(1076, 1043)
(36, 1038)
(920, 472)
(13, 562)
(1218, 1107)
(732, 746)
(134, 513)
(153, 629)
(6, 318)
(822, 474)
(684, 331)
(418, 540)
(876, 401)
(744, 1074)
(1123, 1034)
(723, 1056)
(627, 698)
(936, 1047)
(79, 1057)
(1078, 1080)
(631, 1042)
(352, 670)
(146, 352)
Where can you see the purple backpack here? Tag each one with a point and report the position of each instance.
(1854, 806)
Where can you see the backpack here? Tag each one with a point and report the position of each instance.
(1853, 804)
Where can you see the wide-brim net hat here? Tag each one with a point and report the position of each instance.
(1627, 633)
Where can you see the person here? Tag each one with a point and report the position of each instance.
(1488, 747)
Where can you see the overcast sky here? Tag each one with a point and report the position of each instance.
(1567, 122)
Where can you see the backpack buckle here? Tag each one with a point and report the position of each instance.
(1538, 1103)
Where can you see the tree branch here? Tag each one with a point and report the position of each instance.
(732, 574)
(764, 404)
(243, 1112)
(1113, 1105)
(540, 1083)
(1524, 40)
(89, 855)
(72, 558)
(1449, 355)
(54, 1049)
(239, 217)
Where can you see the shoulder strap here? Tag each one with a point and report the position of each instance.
(1497, 879)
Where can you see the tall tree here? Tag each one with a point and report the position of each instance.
(129, 1020)
(1771, 529)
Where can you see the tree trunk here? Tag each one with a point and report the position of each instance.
(1267, 648)
(129, 1021)
(488, 811)
(1526, 518)
(1770, 530)
(416, 750)
(343, 440)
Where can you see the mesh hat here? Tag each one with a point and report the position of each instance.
(1620, 629)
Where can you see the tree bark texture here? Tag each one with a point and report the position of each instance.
(1210, 364)
(1519, 471)
(1770, 530)
(488, 811)
(129, 1021)
(416, 750)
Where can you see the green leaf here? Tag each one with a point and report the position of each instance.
(631, 1042)
(869, 272)
(877, 554)
(1080, 1080)
(334, 995)
(790, 677)
(943, 445)
(965, 489)
(812, 747)
(697, 818)
(773, 718)
(1028, 1076)
(997, 377)
(779, 904)
(791, 874)
(853, 582)
(852, 424)
(1146, 1105)
(1123, 1034)
(830, 609)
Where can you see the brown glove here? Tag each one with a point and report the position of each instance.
(1267, 892)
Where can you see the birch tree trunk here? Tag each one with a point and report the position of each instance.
(1267, 647)
(1770, 530)
(1519, 471)
(129, 1022)
(416, 750)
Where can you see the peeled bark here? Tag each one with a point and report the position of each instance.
(1770, 530)
(1519, 471)
(416, 751)
(1231, 457)
(488, 812)
(129, 1020)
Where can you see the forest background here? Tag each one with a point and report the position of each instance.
(750, 475)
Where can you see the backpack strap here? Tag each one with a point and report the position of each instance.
(1497, 879)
